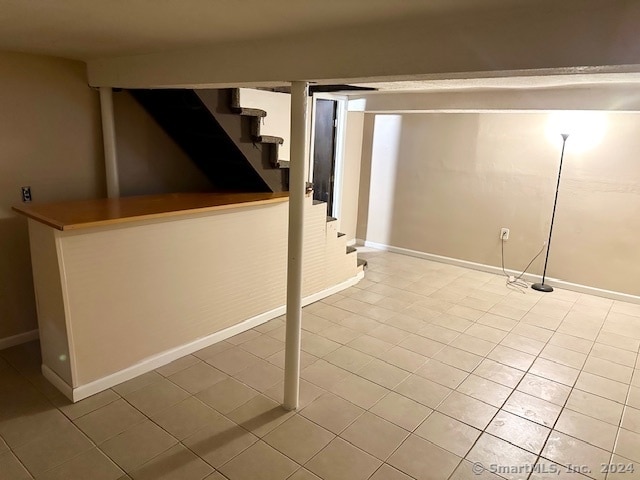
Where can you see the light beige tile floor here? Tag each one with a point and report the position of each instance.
(417, 372)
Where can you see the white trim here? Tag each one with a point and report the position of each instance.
(338, 168)
(357, 105)
(59, 383)
(73, 369)
(156, 361)
(18, 339)
(475, 110)
(311, 140)
(554, 282)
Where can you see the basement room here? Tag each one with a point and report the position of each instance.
(365, 240)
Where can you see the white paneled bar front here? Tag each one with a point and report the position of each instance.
(129, 284)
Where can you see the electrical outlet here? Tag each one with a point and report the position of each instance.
(26, 194)
(504, 234)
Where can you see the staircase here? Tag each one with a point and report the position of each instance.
(225, 140)
(256, 118)
(222, 140)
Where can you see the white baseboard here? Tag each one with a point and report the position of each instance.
(77, 393)
(18, 339)
(554, 282)
(58, 382)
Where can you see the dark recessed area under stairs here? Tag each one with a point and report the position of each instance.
(222, 139)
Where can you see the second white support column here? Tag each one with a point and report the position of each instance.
(109, 140)
(299, 95)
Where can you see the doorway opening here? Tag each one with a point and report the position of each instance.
(327, 146)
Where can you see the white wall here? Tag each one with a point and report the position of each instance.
(348, 215)
(51, 141)
(446, 183)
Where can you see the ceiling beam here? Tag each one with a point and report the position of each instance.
(563, 37)
(615, 98)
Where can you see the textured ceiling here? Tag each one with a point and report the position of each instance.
(86, 29)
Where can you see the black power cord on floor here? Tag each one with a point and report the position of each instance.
(516, 283)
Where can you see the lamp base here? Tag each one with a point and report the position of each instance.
(542, 287)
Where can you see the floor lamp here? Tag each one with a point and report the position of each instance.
(543, 287)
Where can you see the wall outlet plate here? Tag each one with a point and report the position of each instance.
(26, 194)
(504, 234)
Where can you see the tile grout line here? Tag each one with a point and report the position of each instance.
(368, 410)
(513, 390)
(71, 421)
(470, 373)
(624, 411)
(384, 461)
(538, 356)
(527, 372)
(486, 356)
(396, 344)
(463, 458)
(573, 387)
(9, 447)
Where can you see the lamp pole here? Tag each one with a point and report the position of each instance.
(542, 287)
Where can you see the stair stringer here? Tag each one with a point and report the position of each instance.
(324, 252)
(315, 241)
(259, 154)
(338, 261)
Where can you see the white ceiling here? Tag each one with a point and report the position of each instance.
(88, 29)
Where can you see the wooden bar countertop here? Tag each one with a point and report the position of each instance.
(100, 212)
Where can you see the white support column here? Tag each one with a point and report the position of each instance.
(299, 95)
(109, 141)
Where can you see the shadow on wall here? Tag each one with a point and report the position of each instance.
(17, 299)
(149, 160)
(385, 197)
(446, 183)
(428, 198)
(365, 177)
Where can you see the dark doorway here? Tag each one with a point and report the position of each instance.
(324, 147)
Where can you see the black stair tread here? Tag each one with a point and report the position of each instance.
(331, 219)
(256, 114)
(249, 112)
(269, 139)
(340, 234)
(363, 262)
(351, 249)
